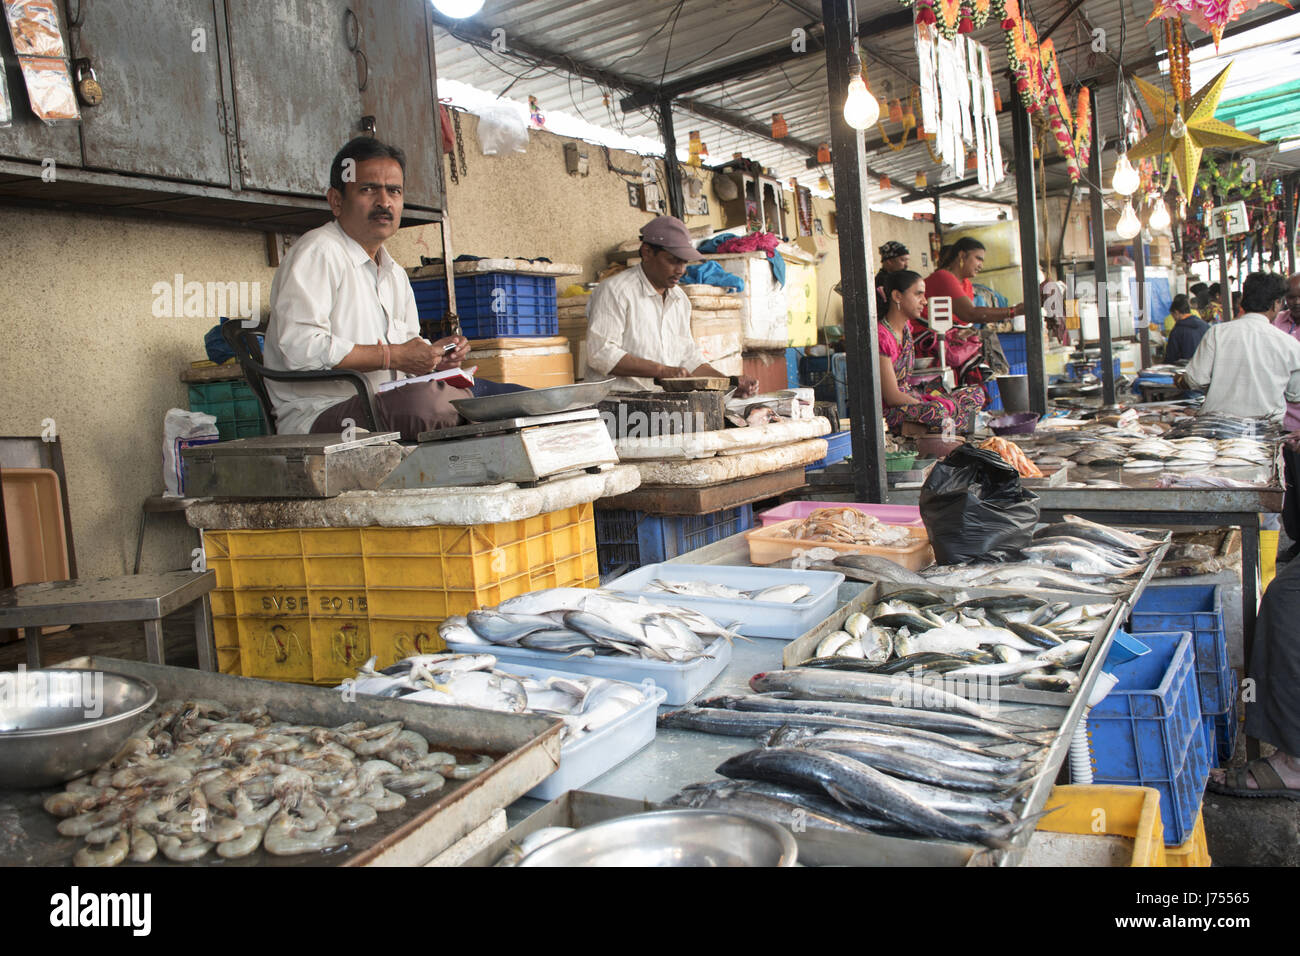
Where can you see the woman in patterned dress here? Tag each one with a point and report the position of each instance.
(905, 291)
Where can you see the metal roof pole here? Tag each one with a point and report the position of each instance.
(1140, 307)
(672, 171)
(1288, 213)
(1022, 139)
(849, 160)
(1099, 263)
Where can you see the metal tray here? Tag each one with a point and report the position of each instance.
(526, 748)
(536, 401)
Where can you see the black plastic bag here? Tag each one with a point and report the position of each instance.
(975, 509)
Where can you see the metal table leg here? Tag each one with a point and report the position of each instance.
(139, 540)
(1249, 601)
(32, 635)
(153, 641)
(203, 635)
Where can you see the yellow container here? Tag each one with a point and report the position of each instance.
(1267, 556)
(1132, 812)
(1193, 851)
(801, 304)
(312, 604)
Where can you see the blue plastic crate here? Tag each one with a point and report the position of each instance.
(1014, 346)
(1018, 368)
(630, 539)
(1197, 608)
(840, 376)
(813, 368)
(792, 356)
(1221, 729)
(493, 304)
(1147, 731)
(839, 445)
(994, 403)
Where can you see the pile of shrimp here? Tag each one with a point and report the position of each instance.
(200, 777)
(847, 526)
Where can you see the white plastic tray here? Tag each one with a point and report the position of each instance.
(681, 682)
(751, 618)
(586, 758)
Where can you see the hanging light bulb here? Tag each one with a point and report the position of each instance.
(458, 9)
(1178, 129)
(860, 107)
(1125, 181)
(1129, 224)
(1159, 218)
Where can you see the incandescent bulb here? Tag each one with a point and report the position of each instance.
(1125, 180)
(458, 9)
(1129, 225)
(1178, 129)
(860, 107)
(1159, 218)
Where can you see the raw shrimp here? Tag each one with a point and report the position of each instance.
(143, 846)
(416, 784)
(112, 852)
(285, 837)
(183, 851)
(464, 771)
(219, 829)
(243, 845)
(355, 815)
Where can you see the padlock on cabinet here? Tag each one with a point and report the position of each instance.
(88, 89)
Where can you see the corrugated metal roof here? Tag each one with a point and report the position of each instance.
(661, 41)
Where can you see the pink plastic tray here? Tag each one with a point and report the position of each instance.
(890, 514)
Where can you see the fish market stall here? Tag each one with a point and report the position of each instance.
(485, 760)
(679, 768)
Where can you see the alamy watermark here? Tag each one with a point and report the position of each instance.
(179, 299)
(73, 689)
(658, 426)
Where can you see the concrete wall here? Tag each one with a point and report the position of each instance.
(84, 347)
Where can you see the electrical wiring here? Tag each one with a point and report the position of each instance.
(672, 14)
(681, 67)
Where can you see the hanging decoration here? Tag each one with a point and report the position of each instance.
(908, 119)
(535, 114)
(823, 153)
(1036, 68)
(696, 148)
(779, 129)
(1210, 16)
(1201, 128)
(952, 17)
(886, 182)
(955, 95)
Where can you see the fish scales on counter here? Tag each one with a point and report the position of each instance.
(259, 782)
(590, 622)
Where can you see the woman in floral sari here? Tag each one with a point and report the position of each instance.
(905, 292)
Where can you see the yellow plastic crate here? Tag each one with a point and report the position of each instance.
(1268, 541)
(311, 604)
(1193, 851)
(1132, 812)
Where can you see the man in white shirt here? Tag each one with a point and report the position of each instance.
(639, 321)
(339, 300)
(1248, 367)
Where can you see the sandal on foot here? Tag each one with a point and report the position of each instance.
(1236, 783)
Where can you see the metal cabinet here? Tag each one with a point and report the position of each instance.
(164, 110)
(231, 110)
(396, 53)
(297, 96)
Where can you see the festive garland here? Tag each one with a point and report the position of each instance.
(952, 17)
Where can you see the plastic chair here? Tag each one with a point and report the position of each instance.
(243, 342)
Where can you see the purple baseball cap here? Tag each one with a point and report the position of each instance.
(669, 232)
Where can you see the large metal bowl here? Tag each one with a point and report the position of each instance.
(672, 838)
(59, 723)
(533, 401)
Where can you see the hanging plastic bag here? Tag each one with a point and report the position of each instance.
(181, 430)
(502, 130)
(975, 509)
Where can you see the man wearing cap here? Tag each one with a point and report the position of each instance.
(639, 321)
(893, 258)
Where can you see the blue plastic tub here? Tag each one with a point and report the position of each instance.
(630, 539)
(1221, 729)
(1147, 731)
(1197, 608)
(994, 403)
(493, 304)
(839, 445)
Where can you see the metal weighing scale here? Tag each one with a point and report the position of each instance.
(522, 450)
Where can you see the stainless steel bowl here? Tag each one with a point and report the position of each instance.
(59, 723)
(533, 401)
(672, 838)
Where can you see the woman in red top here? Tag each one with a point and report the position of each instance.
(959, 263)
(906, 293)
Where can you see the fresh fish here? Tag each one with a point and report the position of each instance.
(858, 624)
(855, 784)
(868, 688)
(1049, 682)
(799, 799)
(482, 689)
(1036, 575)
(782, 594)
(1069, 653)
(877, 645)
(1120, 556)
(500, 628)
(534, 841)
(1006, 602)
(737, 723)
(897, 762)
(999, 671)
(734, 798)
(937, 640)
(1074, 558)
(831, 644)
(917, 597)
(881, 569)
(1038, 637)
(1104, 534)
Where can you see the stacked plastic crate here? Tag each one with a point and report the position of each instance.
(626, 540)
(510, 318)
